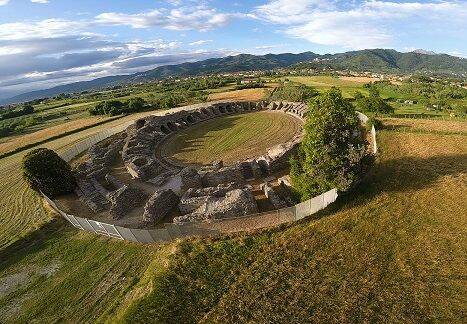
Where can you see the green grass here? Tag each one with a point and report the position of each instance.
(324, 82)
(93, 276)
(231, 138)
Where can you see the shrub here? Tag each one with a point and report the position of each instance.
(291, 92)
(333, 152)
(373, 121)
(47, 172)
(110, 107)
(135, 105)
(117, 107)
(372, 103)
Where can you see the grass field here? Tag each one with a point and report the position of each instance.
(324, 82)
(13, 142)
(231, 138)
(395, 251)
(241, 95)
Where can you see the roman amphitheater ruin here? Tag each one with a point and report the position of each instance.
(125, 180)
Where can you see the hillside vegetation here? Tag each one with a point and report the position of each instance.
(394, 251)
(375, 60)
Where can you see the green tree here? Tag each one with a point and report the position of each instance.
(333, 153)
(374, 103)
(27, 109)
(135, 104)
(46, 171)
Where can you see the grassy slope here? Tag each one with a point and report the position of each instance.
(393, 252)
(93, 277)
(232, 137)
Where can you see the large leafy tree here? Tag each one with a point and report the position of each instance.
(333, 153)
(46, 171)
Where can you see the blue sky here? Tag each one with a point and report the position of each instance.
(49, 42)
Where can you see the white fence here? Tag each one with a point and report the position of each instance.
(216, 227)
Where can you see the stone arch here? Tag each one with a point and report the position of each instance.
(180, 123)
(172, 126)
(229, 108)
(222, 109)
(165, 129)
(215, 110)
(190, 119)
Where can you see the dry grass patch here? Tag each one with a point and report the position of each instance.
(393, 252)
(12, 143)
(359, 79)
(241, 95)
(428, 125)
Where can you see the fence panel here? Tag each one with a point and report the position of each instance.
(72, 219)
(126, 234)
(373, 138)
(198, 229)
(98, 227)
(174, 231)
(85, 224)
(160, 235)
(329, 197)
(142, 235)
(112, 230)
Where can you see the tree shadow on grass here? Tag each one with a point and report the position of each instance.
(33, 242)
(406, 174)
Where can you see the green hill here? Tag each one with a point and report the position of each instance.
(387, 60)
(375, 60)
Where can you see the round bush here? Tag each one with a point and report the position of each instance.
(46, 171)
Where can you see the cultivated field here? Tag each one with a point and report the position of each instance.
(241, 95)
(231, 138)
(13, 142)
(324, 82)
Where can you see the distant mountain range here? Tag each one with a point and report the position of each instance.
(374, 60)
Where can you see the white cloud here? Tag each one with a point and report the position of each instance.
(183, 18)
(40, 29)
(4, 2)
(48, 52)
(290, 12)
(358, 26)
(200, 42)
(40, 1)
(268, 47)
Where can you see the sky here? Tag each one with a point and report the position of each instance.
(44, 43)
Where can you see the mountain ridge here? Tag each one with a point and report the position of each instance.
(371, 60)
